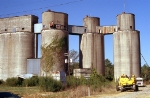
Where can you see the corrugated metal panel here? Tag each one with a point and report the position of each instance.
(33, 66)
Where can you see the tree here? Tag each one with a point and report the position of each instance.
(52, 54)
(109, 70)
(74, 55)
(145, 72)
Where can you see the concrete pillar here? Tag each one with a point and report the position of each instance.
(80, 53)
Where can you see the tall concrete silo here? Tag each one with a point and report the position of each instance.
(92, 46)
(54, 27)
(126, 47)
(17, 44)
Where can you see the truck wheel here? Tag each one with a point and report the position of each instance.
(117, 88)
(121, 89)
(136, 88)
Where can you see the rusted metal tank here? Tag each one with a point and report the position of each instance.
(49, 33)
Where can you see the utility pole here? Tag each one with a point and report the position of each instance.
(67, 61)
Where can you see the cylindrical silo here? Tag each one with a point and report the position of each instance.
(126, 21)
(126, 53)
(50, 37)
(92, 46)
(126, 47)
(59, 19)
(17, 47)
(91, 23)
(136, 56)
(99, 56)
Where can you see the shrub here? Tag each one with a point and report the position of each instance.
(72, 81)
(95, 81)
(2, 82)
(49, 84)
(13, 82)
(33, 81)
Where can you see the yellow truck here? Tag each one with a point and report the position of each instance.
(126, 83)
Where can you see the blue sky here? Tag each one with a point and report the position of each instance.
(106, 10)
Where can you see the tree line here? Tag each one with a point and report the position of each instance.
(109, 67)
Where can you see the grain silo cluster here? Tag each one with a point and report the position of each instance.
(18, 41)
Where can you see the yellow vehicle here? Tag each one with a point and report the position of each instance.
(126, 83)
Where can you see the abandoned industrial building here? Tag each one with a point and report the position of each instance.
(18, 41)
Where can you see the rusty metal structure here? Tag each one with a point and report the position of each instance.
(19, 43)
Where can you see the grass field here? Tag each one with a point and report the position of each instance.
(34, 92)
(20, 90)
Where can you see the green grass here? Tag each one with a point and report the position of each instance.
(20, 90)
(48, 88)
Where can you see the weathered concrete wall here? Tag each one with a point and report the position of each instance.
(17, 44)
(14, 51)
(17, 24)
(59, 19)
(92, 48)
(126, 21)
(91, 23)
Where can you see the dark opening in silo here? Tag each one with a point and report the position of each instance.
(131, 27)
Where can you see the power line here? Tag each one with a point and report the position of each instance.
(144, 60)
(44, 7)
(23, 4)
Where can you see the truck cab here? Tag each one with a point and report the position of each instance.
(139, 81)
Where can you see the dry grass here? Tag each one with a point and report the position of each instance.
(20, 90)
(78, 92)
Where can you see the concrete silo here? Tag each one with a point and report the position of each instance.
(54, 27)
(126, 47)
(17, 44)
(92, 46)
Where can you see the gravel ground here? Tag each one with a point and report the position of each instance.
(144, 92)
